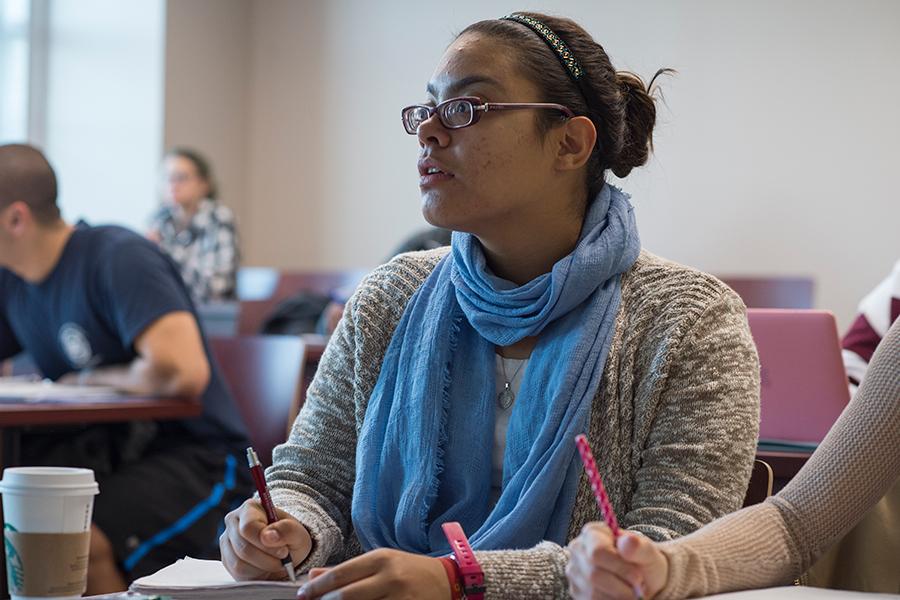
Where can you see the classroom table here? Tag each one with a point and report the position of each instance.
(74, 410)
(800, 592)
(795, 592)
(91, 410)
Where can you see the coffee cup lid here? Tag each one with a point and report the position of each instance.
(48, 480)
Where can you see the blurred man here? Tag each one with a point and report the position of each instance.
(103, 306)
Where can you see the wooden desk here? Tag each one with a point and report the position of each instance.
(71, 411)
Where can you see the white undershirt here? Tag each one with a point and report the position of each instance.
(501, 417)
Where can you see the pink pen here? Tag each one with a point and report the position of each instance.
(606, 509)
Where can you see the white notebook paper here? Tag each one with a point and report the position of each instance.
(194, 579)
(27, 389)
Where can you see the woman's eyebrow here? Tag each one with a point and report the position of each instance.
(461, 84)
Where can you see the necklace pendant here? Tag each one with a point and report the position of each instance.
(506, 398)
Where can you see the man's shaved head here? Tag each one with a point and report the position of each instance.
(26, 176)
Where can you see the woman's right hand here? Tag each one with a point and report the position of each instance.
(253, 549)
(603, 568)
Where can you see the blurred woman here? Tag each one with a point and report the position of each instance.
(194, 229)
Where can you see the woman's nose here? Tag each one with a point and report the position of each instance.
(431, 132)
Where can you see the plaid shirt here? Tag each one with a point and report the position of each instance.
(206, 250)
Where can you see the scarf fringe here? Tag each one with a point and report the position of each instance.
(443, 436)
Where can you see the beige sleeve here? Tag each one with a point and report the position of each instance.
(774, 542)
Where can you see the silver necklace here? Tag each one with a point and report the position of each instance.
(506, 397)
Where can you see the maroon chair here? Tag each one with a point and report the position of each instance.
(263, 373)
(773, 292)
(313, 348)
(761, 480)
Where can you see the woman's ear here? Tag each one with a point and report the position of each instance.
(576, 142)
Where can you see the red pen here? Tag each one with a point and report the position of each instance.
(606, 509)
(266, 500)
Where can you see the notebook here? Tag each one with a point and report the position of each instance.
(194, 579)
(804, 386)
(25, 388)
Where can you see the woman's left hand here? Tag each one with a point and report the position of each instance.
(381, 573)
(602, 568)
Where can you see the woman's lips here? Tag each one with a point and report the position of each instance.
(432, 173)
(430, 179)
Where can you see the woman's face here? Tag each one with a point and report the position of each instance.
(182, 184)
(495, 171)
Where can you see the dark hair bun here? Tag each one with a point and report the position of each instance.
(617, 102)
(640, 117)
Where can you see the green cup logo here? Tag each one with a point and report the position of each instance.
(15, 573)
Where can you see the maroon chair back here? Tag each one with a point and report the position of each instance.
(263, 373)
(773, 292)
(761, 480)
(313, 348)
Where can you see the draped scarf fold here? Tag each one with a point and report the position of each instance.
(424, 450)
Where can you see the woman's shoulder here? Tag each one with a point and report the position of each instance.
(386, 290)
(662, 287)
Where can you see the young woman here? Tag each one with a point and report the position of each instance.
(455, 384)
(774, 542)
(194, 229)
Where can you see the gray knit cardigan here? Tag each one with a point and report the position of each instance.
(673, 426)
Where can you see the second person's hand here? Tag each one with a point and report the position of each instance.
(253, 549)
(601, 568)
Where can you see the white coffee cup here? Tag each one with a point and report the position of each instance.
(47, 526)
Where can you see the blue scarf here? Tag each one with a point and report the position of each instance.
(424, 450)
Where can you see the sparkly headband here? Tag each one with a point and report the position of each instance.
(566, 57)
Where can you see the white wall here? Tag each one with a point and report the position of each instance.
(290, 169)
(104, 107)
(14, 47)
(775, 149)
(207, 89)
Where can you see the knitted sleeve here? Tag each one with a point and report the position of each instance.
(773, 542)
(699, 452)
(312, 473)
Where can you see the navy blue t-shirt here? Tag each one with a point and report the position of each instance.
(109, 285)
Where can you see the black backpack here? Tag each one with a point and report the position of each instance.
(295, 315)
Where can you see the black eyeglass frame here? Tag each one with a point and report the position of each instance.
(478, 108)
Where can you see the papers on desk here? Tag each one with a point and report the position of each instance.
(193, 579)
(26, 389)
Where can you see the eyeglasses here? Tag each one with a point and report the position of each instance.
(457, 113)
